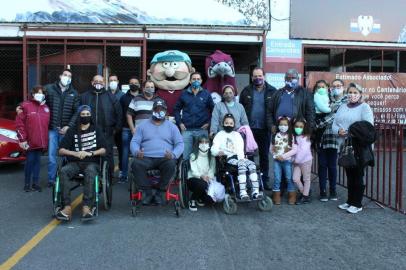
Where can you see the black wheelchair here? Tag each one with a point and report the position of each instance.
(103, 187)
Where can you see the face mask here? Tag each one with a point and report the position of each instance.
(158, 115)
(322, 91)
(228, 98)
(113, 85)
(230, 104)
(84, 120)
(299, 131)
(65, 80)
(204, 147)
(98, 86)
(228, 129)
(354, 98)
(292, 84)
(39, 97)
(149, 91)
(134, 87)
(258, 81)
(337, 91)
(283, 129)
(195, 84)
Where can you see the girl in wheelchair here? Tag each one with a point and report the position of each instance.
(229, 143)
(200, 173)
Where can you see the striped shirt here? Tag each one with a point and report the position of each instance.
(140, 108)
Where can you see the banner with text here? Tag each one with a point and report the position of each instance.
(384, 92)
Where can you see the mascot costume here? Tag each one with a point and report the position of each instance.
(220, 71)
(170, 71)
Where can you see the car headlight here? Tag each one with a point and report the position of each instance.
(8, 133)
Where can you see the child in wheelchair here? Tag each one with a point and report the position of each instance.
(230, 144)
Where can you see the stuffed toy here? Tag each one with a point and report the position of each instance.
(170, 71)
(220, 71)
(321, 101)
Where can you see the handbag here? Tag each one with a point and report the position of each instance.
(346, 157)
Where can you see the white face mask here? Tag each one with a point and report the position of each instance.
(204, 147)
(113, 85)
(283, 128)
(98, 86)
(65, 80)
(39, 97)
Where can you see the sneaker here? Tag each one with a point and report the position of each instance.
(35, 187)
(354, 210)
(303, 200)
(323, 197)
(256, 195)
(87, 213)
(147, 197)
(192, 205)
(244, 195)
(65, 214)
(344, 206)
(200, 203)
(27, 188)
(122, 180)
(333, 196)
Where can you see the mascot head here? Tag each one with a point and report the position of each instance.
(170, 70)
(220, 72)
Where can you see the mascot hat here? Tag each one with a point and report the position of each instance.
(171, 56)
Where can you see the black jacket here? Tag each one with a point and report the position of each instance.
(363, 135)
(303, 106)
(62, 106)
(246, 98)
(106, 109)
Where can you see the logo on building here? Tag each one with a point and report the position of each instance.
(365, 25)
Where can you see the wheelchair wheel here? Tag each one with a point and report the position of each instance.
(229, 205)
(177, 208)
(182, 186)
(106, 186)
(265, 204)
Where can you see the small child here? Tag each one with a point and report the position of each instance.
(321, 97)
(302, 163)
(229, 143)
(282, 149)
(201, 172)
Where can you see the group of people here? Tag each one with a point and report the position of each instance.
(287, 123)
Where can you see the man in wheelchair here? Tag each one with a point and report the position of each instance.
(156, 144)
(82, 147)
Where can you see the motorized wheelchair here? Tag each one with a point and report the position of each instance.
(103, 186)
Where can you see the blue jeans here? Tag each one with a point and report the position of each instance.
(32, 166)
(327, 166)
(188, 136)
(286, 166)
(54, 138)
(126, 137)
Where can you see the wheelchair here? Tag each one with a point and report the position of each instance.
(103, 187)
(176, 191)
(227, 175)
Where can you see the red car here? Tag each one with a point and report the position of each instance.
(10, 151)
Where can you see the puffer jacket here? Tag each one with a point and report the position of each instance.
(63, 106)
(32, 124)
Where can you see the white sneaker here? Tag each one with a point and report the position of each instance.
(244, 195)
(344, 206)
(354, 210)
(192, 205)
(256, 195)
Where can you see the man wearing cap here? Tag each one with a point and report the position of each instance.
(82, 145)
(156, 144)
(196, 104)
(170, 71)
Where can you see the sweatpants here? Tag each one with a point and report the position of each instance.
(304, 169)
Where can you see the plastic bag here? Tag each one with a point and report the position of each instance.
(216, 191)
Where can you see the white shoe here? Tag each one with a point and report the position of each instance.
(192, 206)
(354, 210)
(344, 206)
(244, 195)
(256, 195)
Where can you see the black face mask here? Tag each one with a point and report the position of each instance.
(134, 88)
(228, 129)
(84, 120)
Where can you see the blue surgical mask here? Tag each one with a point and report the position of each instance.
(337, 91)
(159, 115)
(293, 83)
(195, 84)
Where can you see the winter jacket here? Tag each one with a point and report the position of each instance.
(195, 109)
(246, 98)
(106, 109)
(363, 135)
(62, 105)
(321, 103)
(250, 144)
(231, 144)
(303, 106)
(32, 124)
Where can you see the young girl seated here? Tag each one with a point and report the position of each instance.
(201, 172)
(282, 149)
(229, 143)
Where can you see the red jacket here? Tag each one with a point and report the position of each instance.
(32, 124)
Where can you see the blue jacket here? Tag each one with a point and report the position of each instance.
(195, 109)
